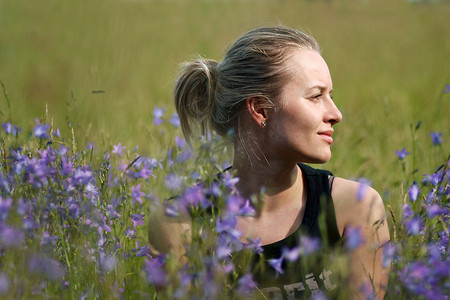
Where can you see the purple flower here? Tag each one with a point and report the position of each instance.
(143, 251)
(107, 262)
(353, 238)
(230, 182)
(10, 237)
(225, 224)
(173, 182)
(413, 225)
(112, 213)
(433, 211)
(447, 89)
(254, 245)
(4, 283)
(436, 137)
(402, 153)
(389, 252)
(46, 266)
(247, 209)
(223, 251)
(47, 239)
(157, 114)
(117, 149)
(11, 129)
(5, 207)
(56, 133)
(137, 219)
(130, 233)
(246, 285)
(406, 211)
(291, 254)
(136, 193)
(180, 142)
(82, 176)
(276, 263)
(155, 272)
(413, 192)
(175, 120)
(195, 196)
(309, 245)
(90, 146)
(234, 203)
(40, 131)
(184, 155)
(363, 186)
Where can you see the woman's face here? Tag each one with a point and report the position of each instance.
(301, 127)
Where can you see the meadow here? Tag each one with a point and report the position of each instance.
(90, 145)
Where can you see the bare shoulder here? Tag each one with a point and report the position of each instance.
(168, 233)
(356, 204)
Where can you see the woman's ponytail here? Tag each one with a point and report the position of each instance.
(194, 96)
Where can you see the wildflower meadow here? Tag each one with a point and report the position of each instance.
(91, 146)
(73, 221)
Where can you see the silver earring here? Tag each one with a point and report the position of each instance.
(263, 123)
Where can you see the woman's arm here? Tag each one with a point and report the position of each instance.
(361, 207)
(169, 234)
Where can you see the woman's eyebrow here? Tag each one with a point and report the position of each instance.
(320, 87)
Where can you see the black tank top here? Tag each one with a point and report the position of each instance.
(307, 276)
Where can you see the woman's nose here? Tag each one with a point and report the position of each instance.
(334, 114)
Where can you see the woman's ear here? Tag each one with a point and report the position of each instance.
(258, 110)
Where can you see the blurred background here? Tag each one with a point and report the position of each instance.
(105, 64)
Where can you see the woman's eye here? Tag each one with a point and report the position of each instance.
(317, 96)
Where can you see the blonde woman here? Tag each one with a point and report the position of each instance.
(273, 90)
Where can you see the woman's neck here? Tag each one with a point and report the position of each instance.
(277, 183)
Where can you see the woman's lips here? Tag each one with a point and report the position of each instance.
(326, 135)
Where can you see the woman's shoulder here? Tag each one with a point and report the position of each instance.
(356, 203)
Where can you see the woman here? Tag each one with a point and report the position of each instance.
(273, 91)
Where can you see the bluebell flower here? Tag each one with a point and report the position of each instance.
(5, 207)
(406, 211)
(254, 245)
(11, 129)
(107, 262)
(136, 193)
(309, 245)
(436, 137)
(389, 252)
(40, 131)
(413, 226)
(402, 153)
(175, 120)
(155, 271)
(137, 219)
(447, 89)
(180, 142)
(291, 254)
(117, 149)
(413, 192)
(363, 187)
(247, 209)
(10, 237)
(353, 238)
(46, 266)
(277, 263)
(56, 133)
(4, 283)
(158, 113)
(246, 285)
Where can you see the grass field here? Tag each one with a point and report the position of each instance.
(104, 65)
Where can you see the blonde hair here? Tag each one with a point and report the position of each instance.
(209, 95)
